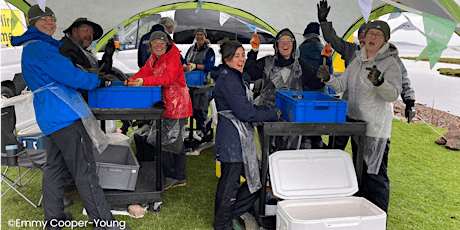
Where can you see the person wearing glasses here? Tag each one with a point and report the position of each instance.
(283, 71)
(348, 52)
(60, 112)
(164, 68)
(373, 80)
(200, 57)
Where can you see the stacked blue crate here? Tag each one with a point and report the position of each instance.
(310, 107)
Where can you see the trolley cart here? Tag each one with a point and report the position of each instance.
(190, 142)
(149, 185)
(305, 129)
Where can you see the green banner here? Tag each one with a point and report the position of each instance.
(438, 32)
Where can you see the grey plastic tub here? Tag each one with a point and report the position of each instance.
(117, 168)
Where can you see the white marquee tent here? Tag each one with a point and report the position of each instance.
(275, 14)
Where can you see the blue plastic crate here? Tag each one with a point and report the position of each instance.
(331, 92)
(314, 107)
(194, 78)
(124, 97)
(33, 142)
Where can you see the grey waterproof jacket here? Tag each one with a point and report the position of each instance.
(347, 50)
(366, 101)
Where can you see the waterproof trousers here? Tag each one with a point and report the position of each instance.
(73, 147)
(175, 161)
(376, 188)
(174, 165)
(232, 200)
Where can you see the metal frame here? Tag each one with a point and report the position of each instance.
(195, 90)
(137, 114)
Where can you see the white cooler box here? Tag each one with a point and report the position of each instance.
(316, 186)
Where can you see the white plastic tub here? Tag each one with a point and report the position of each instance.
(316, 186)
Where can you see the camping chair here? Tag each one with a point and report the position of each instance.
(22, 157)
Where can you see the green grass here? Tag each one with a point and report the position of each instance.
(424, 179)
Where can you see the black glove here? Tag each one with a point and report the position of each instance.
(278, 112)
(375, 76)
(110, 48)
(159, 105)
(410, 110)
(106, 80)
(323, 73)
(323, 10)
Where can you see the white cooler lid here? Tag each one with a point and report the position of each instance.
(312, 173)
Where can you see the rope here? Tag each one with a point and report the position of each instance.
(431, 127)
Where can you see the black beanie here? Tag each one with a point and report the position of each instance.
(312, 28)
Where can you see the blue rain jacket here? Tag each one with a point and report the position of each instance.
(42, 64)
(230, 94)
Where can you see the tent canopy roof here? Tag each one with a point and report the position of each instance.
(275, 14)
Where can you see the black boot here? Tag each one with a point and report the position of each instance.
(67, 201)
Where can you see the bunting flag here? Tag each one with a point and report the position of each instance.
(199, 5)
(405, 26)
(42, 4)
(423, 54)
(438, 32)
(366, 8)
(223, 18)
(253, 28)
(395, 13)
(14, 21)
(120, 31)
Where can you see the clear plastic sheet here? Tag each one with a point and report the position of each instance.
(196, 57)
(373, 153)
(213, 117)
(248, 146)
(79, 106)
(176, 97)
(171, 132)
(274, 81)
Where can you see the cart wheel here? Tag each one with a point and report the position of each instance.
(152, 208)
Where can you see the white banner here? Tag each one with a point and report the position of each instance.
(42, 4)
(366, 8)
(223, 18)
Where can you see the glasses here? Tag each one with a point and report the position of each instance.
(44, 18)
(159, 42)
(86, 29)
(288, 40)
(376, 35)
(199, 34)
